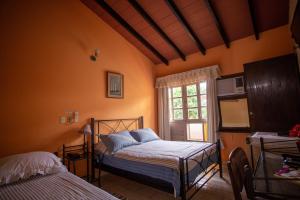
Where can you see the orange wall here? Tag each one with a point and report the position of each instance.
(232, 140)
(46, 70)
(272, 43)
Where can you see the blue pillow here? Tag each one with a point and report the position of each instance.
(144, 135)
(117, 141)
(124, 133)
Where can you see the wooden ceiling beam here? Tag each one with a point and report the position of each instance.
(156, 27)
(130, 29)
(217, 21)
(186, 25)
(253, 18)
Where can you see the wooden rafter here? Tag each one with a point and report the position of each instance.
(253, 18)
(130, 29)
(186, 25)
(156, 27)
(218, 23)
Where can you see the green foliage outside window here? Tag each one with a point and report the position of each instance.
(186, 99)
(191, 90)
(177, 103)
(204, 112)
(193, 113)
(177, 92)
(178, 114)
(192, 102)
(203, 88)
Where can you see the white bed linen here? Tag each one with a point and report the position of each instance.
(25, 165)
(163, 152)
(60, 186)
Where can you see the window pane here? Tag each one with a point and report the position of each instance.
(203, 87)
(191, 90)
(177, 92)
(203, 100)
(177, 103)
(195, 132)
(170, 104)
(192, 102)
(193, 113)
(204, 112)
(170, 111)
(178, 114)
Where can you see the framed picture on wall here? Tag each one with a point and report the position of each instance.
(115, 85)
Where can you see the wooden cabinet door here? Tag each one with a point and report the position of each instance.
(273, 88)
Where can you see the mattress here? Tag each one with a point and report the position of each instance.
(160, 159)
(276, 144)
(271, 137)
(60, 186)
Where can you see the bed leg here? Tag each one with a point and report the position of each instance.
(99, 177)
(219, 158)
(182, 179)
(93, 172)
(93, 149)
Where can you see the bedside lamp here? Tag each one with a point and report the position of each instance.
(86, 130)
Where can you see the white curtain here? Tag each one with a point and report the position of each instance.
(212, 109)
(189, 77)
(163, 114)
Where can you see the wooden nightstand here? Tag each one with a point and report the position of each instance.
(75, 153)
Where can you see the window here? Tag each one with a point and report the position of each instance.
(192, 102)
(176, 104)
(189, 104)
(195, 131)
(203, 99)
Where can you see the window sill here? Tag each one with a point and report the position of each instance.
(235, 129)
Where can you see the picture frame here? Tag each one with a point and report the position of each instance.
(115, 85)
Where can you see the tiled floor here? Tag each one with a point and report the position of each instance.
(216, 188)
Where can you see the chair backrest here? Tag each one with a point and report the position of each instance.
(240, 173)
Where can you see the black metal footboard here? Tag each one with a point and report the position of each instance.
(209, 168)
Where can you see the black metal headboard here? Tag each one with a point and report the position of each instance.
(110, 126)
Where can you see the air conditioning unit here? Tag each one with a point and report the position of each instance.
(230, 86)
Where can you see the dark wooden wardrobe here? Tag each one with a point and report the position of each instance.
(273, 88)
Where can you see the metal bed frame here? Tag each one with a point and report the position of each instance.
(209, 168)
(287, 147)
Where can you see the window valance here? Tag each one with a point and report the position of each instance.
(188, 77)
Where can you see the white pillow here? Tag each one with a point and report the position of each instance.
(23, 166)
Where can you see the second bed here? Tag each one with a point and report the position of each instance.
(173, 166)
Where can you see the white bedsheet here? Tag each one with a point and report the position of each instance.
(62, 186)
(164, 153)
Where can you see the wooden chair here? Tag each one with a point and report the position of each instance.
(240, 174)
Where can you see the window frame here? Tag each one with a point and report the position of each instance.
(185, 107)
(171, 107)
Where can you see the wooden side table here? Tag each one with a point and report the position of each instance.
(75, 153)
